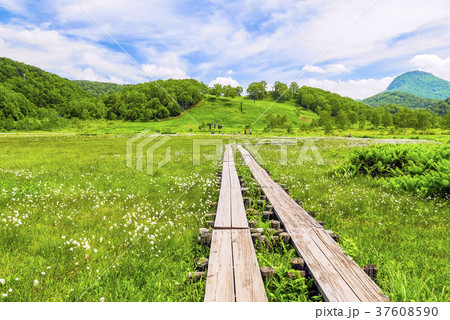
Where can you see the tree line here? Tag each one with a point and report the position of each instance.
(32, 99)
(337, 112)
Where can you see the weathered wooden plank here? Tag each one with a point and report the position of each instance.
(233, 272)
(223, 215)
(220, 278)
(249, 286)
(238, 216)
(288, 208)
(328, 280)
(336, 275)
(364, 287)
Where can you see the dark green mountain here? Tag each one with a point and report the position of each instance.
(400, 98)
(97, 89)
(422, 84)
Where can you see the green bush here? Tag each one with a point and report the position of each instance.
(420, 168)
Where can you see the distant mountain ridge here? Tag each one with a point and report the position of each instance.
(407, 100)
(421, 84)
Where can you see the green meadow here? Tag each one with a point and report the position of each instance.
(78, 224)
(404, 234)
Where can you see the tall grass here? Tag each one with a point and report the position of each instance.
(77, 224)
(404, 234)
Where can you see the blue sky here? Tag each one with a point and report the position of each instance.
(352, 47)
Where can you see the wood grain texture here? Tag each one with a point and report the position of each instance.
(249, 286)
(238, 216)
(337, 276)
(223, 215)
(233, 271)
(220, 278)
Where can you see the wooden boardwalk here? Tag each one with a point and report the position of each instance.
(336, 275)
(233, 271)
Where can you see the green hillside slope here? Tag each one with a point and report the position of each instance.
(27, 91)
(421, 84)
(222, 111)
(404, 99)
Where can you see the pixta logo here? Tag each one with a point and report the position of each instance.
(141, 151)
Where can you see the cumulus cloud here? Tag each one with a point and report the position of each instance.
(332, 68)
(257, 37)
(356, 89)
(89, 74)
(434, 64)
(164, 73)
(71, 58)
(224, 81)
(16, 6)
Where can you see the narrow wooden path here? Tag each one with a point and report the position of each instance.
(233, 271)
(336, 275)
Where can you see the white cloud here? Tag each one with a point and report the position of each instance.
(74, 59)
(376, 32)
(164, 73)
(332, 68)
(224, 81)
(433, 64)
(356, 89)
(91, 75)
(269, 39)
(16, 6)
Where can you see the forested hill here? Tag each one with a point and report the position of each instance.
(404, 99)
(341, 112)
(154, 100)
(421, 84)
(441, 108)
(31, 98)
(97, 89)
(27, 91)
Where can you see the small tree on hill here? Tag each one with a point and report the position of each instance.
(257, 90)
